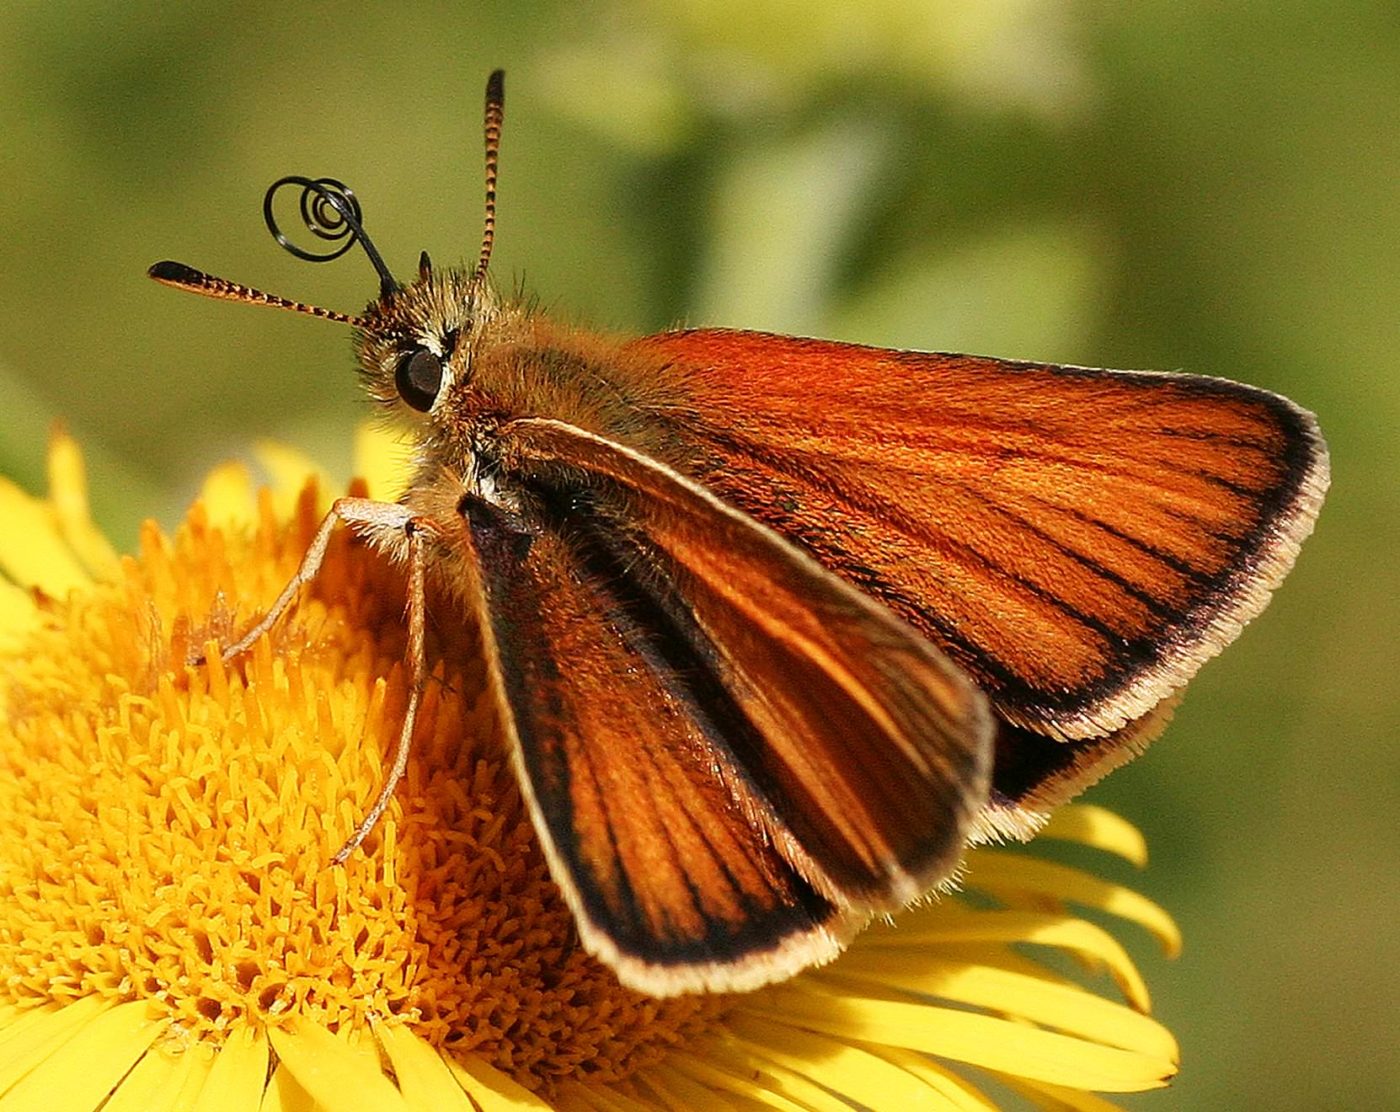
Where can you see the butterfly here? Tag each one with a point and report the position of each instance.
(777, 626)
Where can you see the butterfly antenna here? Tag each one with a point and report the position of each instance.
(331, 212)
(495, 113)
(184, 277)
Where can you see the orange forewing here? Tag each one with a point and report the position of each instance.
(1078, 540)
(733, 757)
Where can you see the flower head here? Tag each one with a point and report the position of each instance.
(171, 926)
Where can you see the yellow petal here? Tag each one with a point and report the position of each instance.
(569, 1097)
(1001, 957)
(382, 459)
(238, 1075)
(740, 1059)
(492, 1090)
(227, 496)
(852, 1071)
(1067, 1008)
(932, 932)
(753, 1084)
(1060, 1097)
(424, 1079)
(1099, 828)
(34, 1034)
(360, 1042)
(162, 1081)
(573, 1095)
(958, 1091)
(333, 1073)
(288, 471)
(1002, 874)
(10, 1014)
(149, 1087)
(201, 1058)
(995, 1044)
(284, 1094)
(18, 615)
(78, 1075)
(677, 1091)
(32, 552)
(68, 494)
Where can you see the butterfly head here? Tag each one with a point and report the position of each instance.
(414, 341)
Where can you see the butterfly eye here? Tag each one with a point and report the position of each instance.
(418, 378)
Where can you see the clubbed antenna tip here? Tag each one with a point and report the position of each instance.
(495, 114)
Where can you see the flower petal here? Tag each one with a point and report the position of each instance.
(1060, 1097)
(424, 1079)
(680, 1093)
(163, 1081)
(33, 552)
(284, 1094)
(980, 1040)
(227, 496)
(492, 1090)
(852, 1071)
(1066, 1008)
(1001, 957)
(288, 470)
(68, 494)
(741, 1059)
(1004, 874)
(18, 615)
(80, 1074)
(1088, 941)
(592, 1099)
(239, 1074)
(958, 1091)
(332, 1072)
(382, 459)
(1100, 828)
(754, 1084)
(36, 1032)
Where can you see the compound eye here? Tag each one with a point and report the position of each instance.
(418, 378)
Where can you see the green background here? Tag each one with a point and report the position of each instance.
(1162, 184)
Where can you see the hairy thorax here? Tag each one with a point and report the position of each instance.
(502, 362)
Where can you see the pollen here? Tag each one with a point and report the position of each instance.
(167, 818)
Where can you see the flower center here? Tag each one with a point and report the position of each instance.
(167, 828)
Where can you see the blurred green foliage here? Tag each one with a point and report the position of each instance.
(1163, 184)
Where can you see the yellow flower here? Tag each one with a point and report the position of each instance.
(173, 936)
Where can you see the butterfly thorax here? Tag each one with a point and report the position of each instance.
(500, 362)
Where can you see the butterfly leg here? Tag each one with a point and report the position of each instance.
(366, 514)
(399, 529)
(415, 531)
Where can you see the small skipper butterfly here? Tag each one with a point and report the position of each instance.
(777, 626)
